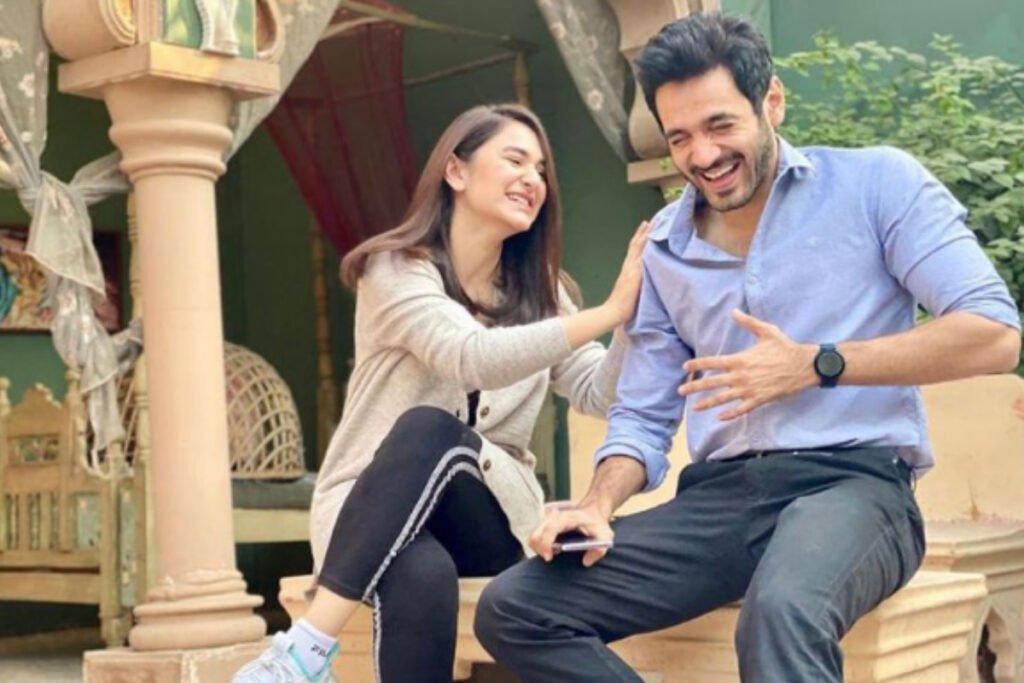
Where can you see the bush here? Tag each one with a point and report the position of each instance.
(962, 117)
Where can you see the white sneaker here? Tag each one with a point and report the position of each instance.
(278, 664)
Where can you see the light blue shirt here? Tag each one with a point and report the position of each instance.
(849, 242)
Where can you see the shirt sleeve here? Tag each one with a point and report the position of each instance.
(406, 307)
(648, 409)
(929, 249)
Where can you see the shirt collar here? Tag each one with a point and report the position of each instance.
(674, 223)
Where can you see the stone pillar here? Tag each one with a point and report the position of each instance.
(638, 21)
(170, 106)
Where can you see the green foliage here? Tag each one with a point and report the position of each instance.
(962, 117)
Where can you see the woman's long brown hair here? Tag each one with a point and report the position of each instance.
(530, 269)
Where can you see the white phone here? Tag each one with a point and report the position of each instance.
(578, 544)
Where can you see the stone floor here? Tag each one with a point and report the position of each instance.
(46, 658)
(53, 668)
(57, 658)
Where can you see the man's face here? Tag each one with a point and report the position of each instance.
(717, 141)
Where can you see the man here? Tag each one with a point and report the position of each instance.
(778, 309)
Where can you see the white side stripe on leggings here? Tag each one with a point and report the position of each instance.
(421, 511)
(378, 630)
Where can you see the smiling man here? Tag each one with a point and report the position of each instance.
(777, 314)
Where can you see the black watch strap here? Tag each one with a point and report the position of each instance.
(829, 365)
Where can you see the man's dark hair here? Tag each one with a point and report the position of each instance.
(700, 42)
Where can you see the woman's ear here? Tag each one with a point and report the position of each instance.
(455, 174)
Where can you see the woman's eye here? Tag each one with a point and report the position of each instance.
(515, 162)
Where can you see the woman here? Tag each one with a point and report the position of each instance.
(462, 321)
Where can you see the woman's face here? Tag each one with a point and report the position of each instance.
(503, 183)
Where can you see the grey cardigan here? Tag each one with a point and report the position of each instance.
(414, 346)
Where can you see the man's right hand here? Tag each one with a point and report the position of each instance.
(588, 520)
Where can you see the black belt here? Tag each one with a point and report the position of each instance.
(905, 470)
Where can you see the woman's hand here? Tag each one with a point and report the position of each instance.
(587, 325)
(623, 297)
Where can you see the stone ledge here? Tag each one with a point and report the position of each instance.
(920, 634)
(211, 665)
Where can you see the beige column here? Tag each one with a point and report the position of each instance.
(638, 21)
(170, 107)
(172, 135)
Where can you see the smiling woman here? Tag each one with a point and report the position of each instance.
(464, 319)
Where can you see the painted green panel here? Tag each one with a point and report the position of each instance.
(182, 25)
(758, 11)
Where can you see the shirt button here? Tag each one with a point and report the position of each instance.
(485, 411)
(486, 465)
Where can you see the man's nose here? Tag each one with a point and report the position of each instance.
(705, 152)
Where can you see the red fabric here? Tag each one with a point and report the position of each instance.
(342, 130)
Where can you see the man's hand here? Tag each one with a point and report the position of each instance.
(559, 519)
(773, 368)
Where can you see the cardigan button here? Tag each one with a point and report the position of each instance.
(486, 465)
(485, 411)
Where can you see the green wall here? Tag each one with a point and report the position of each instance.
(983, 26)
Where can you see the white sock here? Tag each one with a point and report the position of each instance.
(311, 646)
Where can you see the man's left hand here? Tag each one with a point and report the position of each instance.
(773, 368)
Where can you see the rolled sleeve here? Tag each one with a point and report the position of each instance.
(932, 253)
(648, 409)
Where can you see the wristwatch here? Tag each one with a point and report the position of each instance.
(829, 364)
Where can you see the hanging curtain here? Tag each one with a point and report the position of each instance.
(342, 131)
(60, 232)
(587, 36)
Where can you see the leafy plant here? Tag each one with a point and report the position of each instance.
(962, 117)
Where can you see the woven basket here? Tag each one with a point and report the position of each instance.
(264, 432)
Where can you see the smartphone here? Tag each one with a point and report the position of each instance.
(577, 543)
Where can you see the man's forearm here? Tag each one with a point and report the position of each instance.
(954, 346)
(616, 479)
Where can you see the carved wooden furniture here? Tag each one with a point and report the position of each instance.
(55, 517)
(68, 535)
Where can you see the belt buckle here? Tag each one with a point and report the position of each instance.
(758, 455)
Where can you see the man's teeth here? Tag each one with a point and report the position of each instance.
(715, 175)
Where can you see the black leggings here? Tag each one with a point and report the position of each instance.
(417, 519)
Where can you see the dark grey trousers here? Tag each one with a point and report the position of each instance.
(810, 542)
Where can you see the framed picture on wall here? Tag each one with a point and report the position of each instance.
(23, 283)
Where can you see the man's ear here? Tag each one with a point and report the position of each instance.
(775, 102)
(455, 174)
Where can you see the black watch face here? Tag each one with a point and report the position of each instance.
(830, 364)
